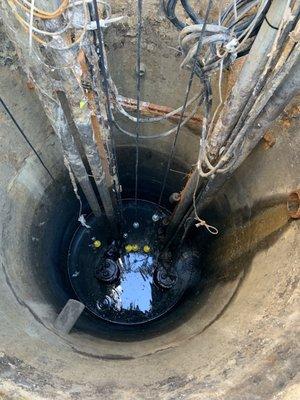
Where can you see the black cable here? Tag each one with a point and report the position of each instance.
(25, 137)
(195, 64)
(270, 25)
(170, 13)
(138, 95)
(227, 17)
(191, 12)
(102, 62)
(105, 83)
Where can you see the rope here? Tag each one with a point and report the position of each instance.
(201, 222)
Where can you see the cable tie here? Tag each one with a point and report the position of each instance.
(104, 23)
(232, 45)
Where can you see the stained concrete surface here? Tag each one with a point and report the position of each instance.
(247, 350)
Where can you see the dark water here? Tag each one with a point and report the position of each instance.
(132, 294)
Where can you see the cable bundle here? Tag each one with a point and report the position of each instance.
(26, 11)
(26, 6)
(222, 42)
(230, 37)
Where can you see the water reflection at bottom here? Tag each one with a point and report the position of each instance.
(130, 296)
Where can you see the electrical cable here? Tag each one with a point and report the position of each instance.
(218, 36)
(30, 28)
(138, 97)
(228, 156)
(163, 134)
(223, 43)
(25, 137)
(170, 12)
(99, 37)
(119, 108)
(244, 26)
(191, 12)
(26, 5)
(216, 44)
(270, 25)
(157, 135)
(171, 155)
(234, 144)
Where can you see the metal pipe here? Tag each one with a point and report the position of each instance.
(78, 106)
(68, 80)
(45, 85)
(82, 127)
(73, 156)
(234, 106)
(278, 93)
(251, 72)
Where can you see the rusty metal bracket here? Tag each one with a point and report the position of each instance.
(293, 204)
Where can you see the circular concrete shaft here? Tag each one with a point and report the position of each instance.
(231, 336)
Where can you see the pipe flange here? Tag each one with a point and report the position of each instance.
(108, 271)
(165, 279)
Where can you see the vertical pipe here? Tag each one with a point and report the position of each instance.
(47, 80)
(271, 103)
(251, 72)
(83, 128)
(45, 85)
(77, 99)
(70, 151)
(233, 107)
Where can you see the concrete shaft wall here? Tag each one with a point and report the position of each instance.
(239, 340)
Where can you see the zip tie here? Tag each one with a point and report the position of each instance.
(232, 45)
(104, 23)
